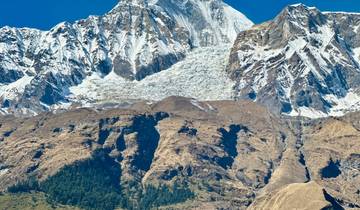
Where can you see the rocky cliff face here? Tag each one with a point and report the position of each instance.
(133, 40)
(304, 62)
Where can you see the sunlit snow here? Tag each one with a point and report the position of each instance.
(201, 75)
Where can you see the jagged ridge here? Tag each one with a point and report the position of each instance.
(304, 62)
(133, 40)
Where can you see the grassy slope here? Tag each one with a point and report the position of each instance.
(27, 201)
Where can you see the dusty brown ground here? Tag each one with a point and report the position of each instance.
(233, 154)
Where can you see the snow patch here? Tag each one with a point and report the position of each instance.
(4, 171)
(13, 90)
(340, 12)
(349, 103)
(307, 112)
(356, 52)
(197, 104)
(341, 106)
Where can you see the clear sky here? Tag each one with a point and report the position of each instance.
(44, 14)
(262, 10)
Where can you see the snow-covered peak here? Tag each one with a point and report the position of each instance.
(300, 16)
(303, 61)
(210, 21)
(129, 3)
(301, 6)
(134, 40)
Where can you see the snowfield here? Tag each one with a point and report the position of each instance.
(200, 75)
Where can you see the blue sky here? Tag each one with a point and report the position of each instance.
(44, 14)
(262, 10)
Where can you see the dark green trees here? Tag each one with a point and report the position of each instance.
(90, 184)
(95, 184)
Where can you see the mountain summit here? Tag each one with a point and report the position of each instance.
(304, 62)
(132, 41)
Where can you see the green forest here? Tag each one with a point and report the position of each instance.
(95, 184)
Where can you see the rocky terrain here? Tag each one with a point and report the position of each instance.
(232, 155)
(303, 62)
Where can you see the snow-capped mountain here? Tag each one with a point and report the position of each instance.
(134, 40)
(304, 62)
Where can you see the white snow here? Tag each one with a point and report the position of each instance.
(221, 24)
(341, 12)
(86, 43)
(3, 112)
(356, 28)
(197, 104)
(341, 106)
(301, 5)
(324, 36)
(307, 112)
(261, 80)
(200, 75)
(13, 90)
(349, 103)
(3, 171)
(60, 106)
(356, 52)
(318, 58)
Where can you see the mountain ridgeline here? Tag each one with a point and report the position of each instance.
(132, 41)
(182, 104)
(304, 62)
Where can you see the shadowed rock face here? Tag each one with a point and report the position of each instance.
(229, 143)
(229, 157)
(302, 59)
(331, 171)
(147, 139)
(9, 76)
